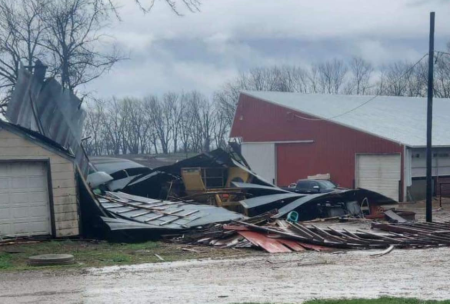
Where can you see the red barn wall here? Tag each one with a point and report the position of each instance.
(333, 150)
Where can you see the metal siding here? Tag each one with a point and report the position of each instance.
(261, 158)
(380, 173)
(333, 150)
(440, 164)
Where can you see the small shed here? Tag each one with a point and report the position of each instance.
(38, 192)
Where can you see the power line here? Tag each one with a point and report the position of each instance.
(366, 102)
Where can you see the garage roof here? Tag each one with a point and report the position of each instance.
(398, 119)
(37, 138)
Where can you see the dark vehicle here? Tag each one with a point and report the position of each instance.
(309, 186)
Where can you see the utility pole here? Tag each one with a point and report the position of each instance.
(429, 201)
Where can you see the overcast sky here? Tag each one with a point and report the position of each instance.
(203, 50)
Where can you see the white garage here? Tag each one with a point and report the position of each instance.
(24, 199)
(38, 194)
(380, 173)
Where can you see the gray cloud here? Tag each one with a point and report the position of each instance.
(203, 50)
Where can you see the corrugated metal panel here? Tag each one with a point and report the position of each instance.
(59, 113)
(440, 163)
(333, 150)
(261, 158)
(157, 214)
(379, 173)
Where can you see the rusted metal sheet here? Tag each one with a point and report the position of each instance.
(292, 245)
(270, 245)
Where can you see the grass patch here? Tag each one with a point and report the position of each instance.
(5, 261)
(98, 254)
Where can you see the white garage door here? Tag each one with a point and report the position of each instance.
(261, 158)
(380, 173)
(24, 199)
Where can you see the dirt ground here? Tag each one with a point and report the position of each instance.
(440, 214)
(284, 278)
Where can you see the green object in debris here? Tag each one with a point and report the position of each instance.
(292, 217)
(97, 191)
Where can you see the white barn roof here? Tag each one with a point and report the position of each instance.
(398, 119)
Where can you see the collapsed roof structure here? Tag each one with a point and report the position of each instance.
(214, 193)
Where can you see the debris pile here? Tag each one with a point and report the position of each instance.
(429, 234)
(283, 236)
(215, 199)
(135, 212)
(280, 236)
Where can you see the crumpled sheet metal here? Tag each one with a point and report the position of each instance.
(157, 214)
(250, 186)
(59, 112)
(267, 199)
(112, 165)
(374, 198)
(217, 158)
(298, 203)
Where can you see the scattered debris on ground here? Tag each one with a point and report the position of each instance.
(283, 236)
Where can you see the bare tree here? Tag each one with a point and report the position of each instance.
(395, 79)
(175, 108)
(159, 113)
(221, 128)
(331, 76)
(133, 117)
(93, 129)
(146, 6)
(73, 39)
(191, 122)
(186, 120)
(21, 31)
(202, 119)
(276, 78)
(314, 81)
(115, 136)
(227, 98)
(442, 74)
(361, 72)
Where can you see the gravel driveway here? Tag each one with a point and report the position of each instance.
(283, 278)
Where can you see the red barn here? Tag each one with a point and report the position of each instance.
(370, 142)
